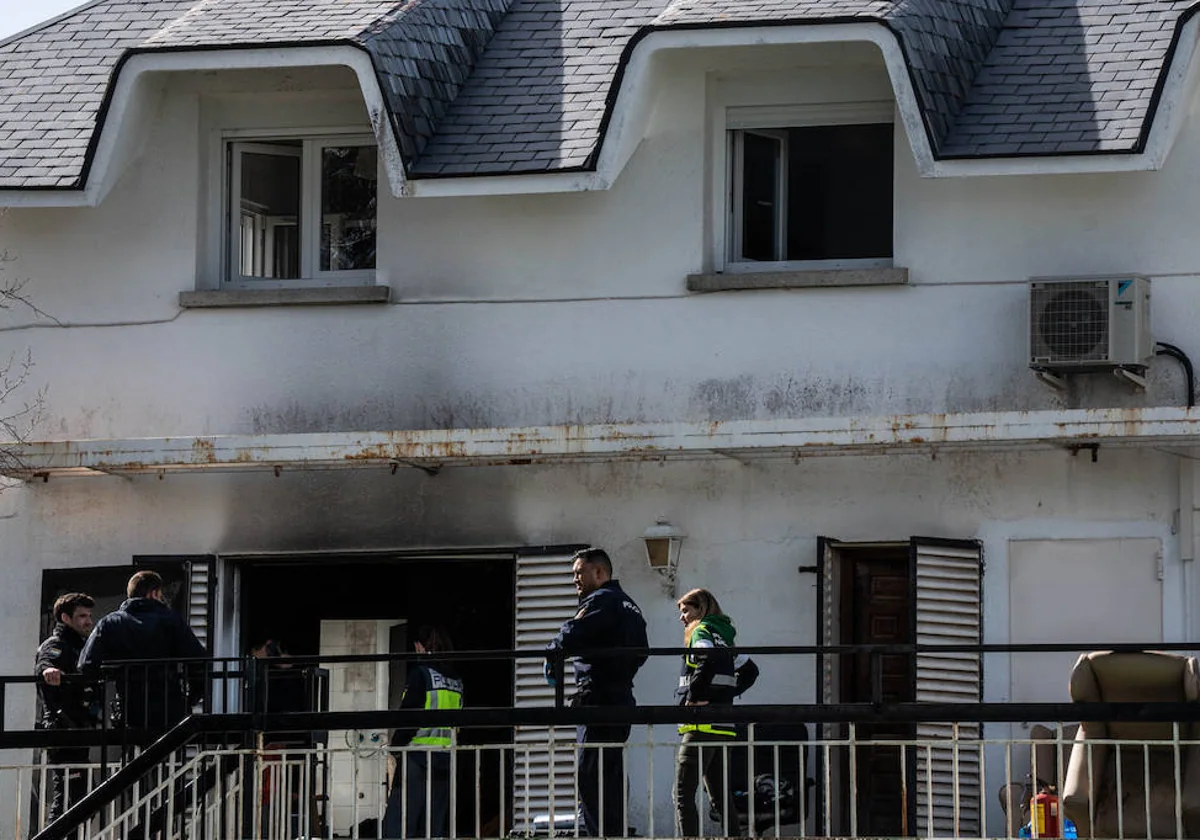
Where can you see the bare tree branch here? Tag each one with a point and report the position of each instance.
(12, 293)
(18, 417)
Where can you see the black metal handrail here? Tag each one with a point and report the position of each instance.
(750, 650)
(222, 670)
(551, 716)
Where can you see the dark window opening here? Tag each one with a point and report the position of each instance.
(813, 193)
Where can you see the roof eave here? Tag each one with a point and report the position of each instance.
(432, 449)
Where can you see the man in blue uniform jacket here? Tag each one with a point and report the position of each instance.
(153, 697)
(607, 618)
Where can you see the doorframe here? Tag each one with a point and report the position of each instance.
(829, 576)
(831, 555)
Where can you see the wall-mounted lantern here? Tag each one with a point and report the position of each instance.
(663, 541)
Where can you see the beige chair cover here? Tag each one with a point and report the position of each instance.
(1090, 792)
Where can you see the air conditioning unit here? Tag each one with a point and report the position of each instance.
(1081, 324)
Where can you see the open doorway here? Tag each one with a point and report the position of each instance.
(870, 605)
(287, 599)
(327, 604)
(924, 591)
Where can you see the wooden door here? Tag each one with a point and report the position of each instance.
(877, 609)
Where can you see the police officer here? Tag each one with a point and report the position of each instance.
(152, 697)
(65, 705)
(607, 618)
(422, 774)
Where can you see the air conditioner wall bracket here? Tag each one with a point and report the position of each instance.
(1052, 380)
(1136, 379)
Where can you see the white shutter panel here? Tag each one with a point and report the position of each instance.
(199, 598)
(545, 756)
(948, 609)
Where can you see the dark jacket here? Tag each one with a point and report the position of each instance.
(275, 686)
(712, 674)
(607, 618)
(65, 706)
(153, 697)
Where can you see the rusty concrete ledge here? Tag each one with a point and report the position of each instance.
(433, 449)
(798, 279)
(322, 296)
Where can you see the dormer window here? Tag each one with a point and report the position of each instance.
(301, 211)
(809, 187)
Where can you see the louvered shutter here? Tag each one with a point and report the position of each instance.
(828, 624)
(199, 598)
(545, 598)
(948, 610)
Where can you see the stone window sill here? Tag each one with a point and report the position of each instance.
(797, 279)
(323, 296)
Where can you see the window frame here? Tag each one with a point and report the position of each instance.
(312, 142)
(729, 125)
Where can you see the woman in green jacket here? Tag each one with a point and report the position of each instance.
(710, 675)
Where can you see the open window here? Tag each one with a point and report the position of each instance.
(809, 188)
(301, 211)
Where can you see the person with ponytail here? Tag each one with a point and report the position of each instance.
(711, 675)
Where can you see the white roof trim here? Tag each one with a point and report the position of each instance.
(435, 448)
(129, 97)
(527, 184)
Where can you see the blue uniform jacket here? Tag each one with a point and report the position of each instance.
(152, 696)
(607, 618)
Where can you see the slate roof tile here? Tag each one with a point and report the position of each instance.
(508, 86)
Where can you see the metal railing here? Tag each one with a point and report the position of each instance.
(214, 775)
(964, 786)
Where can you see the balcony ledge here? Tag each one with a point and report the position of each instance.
(741, 440)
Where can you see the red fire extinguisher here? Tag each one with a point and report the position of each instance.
(1043, 812)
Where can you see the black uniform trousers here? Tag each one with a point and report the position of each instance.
(601, 774)
(418, 804)
(704, 755)
(68, 784)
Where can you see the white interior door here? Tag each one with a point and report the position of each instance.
(355, 687)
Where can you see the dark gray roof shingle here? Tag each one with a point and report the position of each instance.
(536, 99)
(1067, 76)
(52, 82)
(511, 86)
(569, 53)
(211, 23)
(424, 54)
